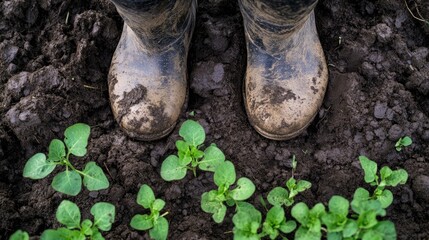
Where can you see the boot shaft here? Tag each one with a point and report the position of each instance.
(269, 22)
(157, 23)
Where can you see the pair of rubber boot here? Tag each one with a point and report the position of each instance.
(286, 75)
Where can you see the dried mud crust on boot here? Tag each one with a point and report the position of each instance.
(377, 56)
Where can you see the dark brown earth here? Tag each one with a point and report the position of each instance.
(54, 60)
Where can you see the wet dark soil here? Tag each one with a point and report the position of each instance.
(54, 60)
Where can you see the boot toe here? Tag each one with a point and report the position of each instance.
(147, 90)
(146, 123)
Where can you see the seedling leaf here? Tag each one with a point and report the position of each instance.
(160, 229)
(399, 176)
(219, 214)
(171, 169)
(158, 204)
(213, 157)
(76, 139)
(61, 234)
(303, 185)
(145, 197)
(57, 150)
(37, 167)
(19, 235)
(86, 227)
(182, 146)
(104, 215)
(245, 188)
(277, 196)
(94, 178)
(304, 233)
(225, 174)
(386, 198)
(350, 228)
(288, 227)
(68, 182)
(192, 132)
(141, 222)
(276, 215)
(301, 213)
(68, 214)
(370, 169)
(339, 206)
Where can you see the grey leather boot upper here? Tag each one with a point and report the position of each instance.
(286, 75)
(147, 77)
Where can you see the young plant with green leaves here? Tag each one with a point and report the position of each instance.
(69, 215)
(403, 142)
(190, 156)
(69, 181)
(19, 235)
(155, 222)
(247, 222)
(385, 178)
(225, 177)
(309, 220)
(282, 196)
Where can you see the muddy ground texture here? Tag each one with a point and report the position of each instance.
(54, 60)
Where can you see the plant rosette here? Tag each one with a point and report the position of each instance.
(224, 177)
(69, 181)
(190, 156)
(156, 223)
(68, 214)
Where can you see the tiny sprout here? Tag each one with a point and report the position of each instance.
(403, 142)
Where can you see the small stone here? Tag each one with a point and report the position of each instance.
(421, 187)
(384, 33)
(380, 110)
(395, 132)
(380, 133)
(419, 57)
(425, 135)
(9, 53)
(93, 194)
(12, 68)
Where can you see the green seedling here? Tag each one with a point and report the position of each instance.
(275, 223)
(156, 223)
(247, 222)
(386, 178)
(189, 156)
(338, 225)
(19, 235)
(403, 142)
(69, 215)
(69, 181)
(224, 177)
(310, 221)
(282, 196)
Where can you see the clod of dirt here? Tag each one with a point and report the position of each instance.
(9, 53)
(421, 188)
(207, 77)
(384, 33)
(380, 110)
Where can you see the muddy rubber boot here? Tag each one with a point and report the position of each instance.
(286, 75)
(148, 73)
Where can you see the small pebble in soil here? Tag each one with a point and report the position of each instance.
(395, 132)
(421, 187)
(93, 194)
(380, 110)
(384, 33)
